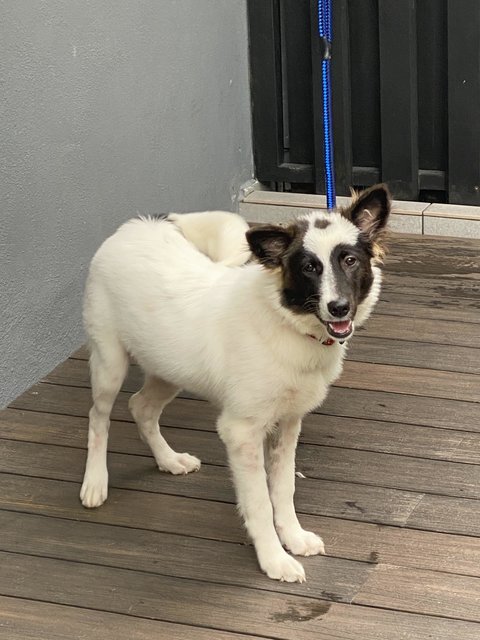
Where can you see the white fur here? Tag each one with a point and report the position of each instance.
(222, 333)
(220, 235)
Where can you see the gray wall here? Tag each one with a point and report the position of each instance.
(110, 108)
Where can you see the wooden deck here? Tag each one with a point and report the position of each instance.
(392, 466)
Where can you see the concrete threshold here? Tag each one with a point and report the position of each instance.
(422, 218)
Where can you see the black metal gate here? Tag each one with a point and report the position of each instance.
(406, 96)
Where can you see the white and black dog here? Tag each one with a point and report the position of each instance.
(263, 341)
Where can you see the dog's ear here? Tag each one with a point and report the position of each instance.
(369, 210)
(269, 242)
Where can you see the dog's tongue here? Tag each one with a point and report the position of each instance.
(341, 327)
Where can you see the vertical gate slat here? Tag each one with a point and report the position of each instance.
(266, 85)
(341, 97)
(317, 93)
(464, 101)
(398, 96)
(296, 48)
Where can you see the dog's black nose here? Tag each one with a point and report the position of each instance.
(339, 308)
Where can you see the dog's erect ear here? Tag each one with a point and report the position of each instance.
(269, 243)
(369, 211)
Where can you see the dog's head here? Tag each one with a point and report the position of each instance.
(327, 262)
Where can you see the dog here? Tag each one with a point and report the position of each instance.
(263, 342)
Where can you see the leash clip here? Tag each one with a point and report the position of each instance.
(326, 48)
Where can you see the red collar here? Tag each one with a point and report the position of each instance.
(328, 342)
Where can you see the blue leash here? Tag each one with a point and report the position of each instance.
(325, 33)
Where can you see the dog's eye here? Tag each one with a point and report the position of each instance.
(309, 267)
(350, 261)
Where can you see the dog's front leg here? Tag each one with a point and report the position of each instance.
(243, 439)
(280, 447)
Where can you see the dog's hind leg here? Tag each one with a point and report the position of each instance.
(280, 453)
(146, 407)
(108, 367)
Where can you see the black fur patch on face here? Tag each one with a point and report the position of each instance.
(302, 273)
(352, 271)
(321, 223)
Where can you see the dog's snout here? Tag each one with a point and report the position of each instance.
(339, 308)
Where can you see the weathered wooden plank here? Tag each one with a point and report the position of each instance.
(138, 473)
(321, 497)
(219, 521)
(200, 518)
(132, 472)
(347, 433)
(390, 437)
(192, 602)
(433, 512)
(170, 514)
(185, 556)
(398, 472)
(30, 620)
(371, 375)
(449, 286)
(414, 354)
(326, 463)
(74, 372)
(23, 619)
(426, 592)
(410, 381)
(354, 403)
(172, 555)
(81, 353)
(393, 545)
(436, 306)
(76, 401)
(56, 428)
(433, 256)
(394, 407)
(423, 330)
(159, 597)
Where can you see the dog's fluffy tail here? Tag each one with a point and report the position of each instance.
(220, 235)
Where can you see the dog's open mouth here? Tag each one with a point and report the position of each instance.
(341, 329)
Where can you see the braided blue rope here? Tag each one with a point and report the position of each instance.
(325, 33)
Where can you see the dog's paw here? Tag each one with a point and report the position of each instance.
(180, 464)
(283, 567)
(303, 543)
(94, 490)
